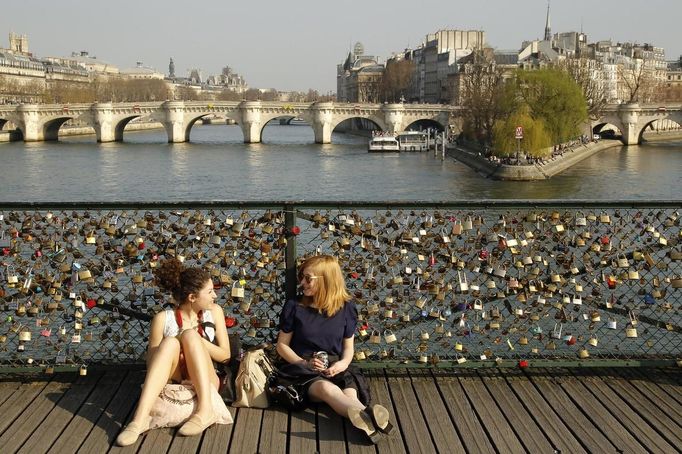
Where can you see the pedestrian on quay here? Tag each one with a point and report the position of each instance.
(183, 343)
(323, 320)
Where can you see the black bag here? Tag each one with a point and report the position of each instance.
(289, 396)
(227, 372)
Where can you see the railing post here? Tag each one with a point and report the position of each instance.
(290, 278)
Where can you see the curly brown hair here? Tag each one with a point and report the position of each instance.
(172, 276)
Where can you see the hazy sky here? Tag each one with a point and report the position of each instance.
(296, 44)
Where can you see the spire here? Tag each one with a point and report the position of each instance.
(548, 27)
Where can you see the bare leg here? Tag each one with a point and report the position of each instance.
(332, 395)
(201, 372)
(160, 368)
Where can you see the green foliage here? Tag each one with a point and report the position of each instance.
(553, 97)
(536, 138)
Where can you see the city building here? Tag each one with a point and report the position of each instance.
(358, 78)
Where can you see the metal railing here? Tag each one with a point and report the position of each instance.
(447, 284)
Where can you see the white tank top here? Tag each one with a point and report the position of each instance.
(171, 328)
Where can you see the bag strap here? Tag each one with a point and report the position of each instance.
(200, 327)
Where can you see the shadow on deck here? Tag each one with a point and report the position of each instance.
(509, 411)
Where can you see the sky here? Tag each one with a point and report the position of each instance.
(296, 44)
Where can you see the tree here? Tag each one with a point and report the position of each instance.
(639, 80)
(397, 80)
(553, 97)
(584, 72)
(536, 139)
(482, 92)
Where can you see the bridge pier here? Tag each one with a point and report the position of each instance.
(631, 128)
(323, 113)
(103, 116)
(393, 117)
(29, 123)
(250, 112)
(174, 121)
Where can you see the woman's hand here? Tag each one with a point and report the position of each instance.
(316, 365)
(335, 368)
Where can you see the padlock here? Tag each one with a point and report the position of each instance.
(389, 336)
(83, 370)
(583, 353)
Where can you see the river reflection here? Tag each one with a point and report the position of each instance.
(288, 165)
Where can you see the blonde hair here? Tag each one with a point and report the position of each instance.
(331, 292)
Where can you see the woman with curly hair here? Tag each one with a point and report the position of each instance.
(183, 343)
(324, 319)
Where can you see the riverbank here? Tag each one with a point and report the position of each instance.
(554, 166)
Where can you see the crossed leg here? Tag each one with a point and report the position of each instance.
(339, 400)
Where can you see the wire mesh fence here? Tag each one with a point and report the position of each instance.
(434, 283)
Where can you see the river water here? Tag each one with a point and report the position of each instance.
(216, 165)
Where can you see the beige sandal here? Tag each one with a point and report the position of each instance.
(130, 434)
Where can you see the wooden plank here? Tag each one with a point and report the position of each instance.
(583, 428)
(600, 416)
(390, 444)
(303, 431)
(109, 424)
(51, 427)
(357, 440)
(247, 425)
(561, 438)
(624, 411)
(217, 438)
(659, 421)
(648, 386)
(414, 430)
(25, 424)
(157, 440)
(273, 435)
(443, 431)
(470, 428)
(494, 423)
(669, 383)
(329, 430)
(18, 402)
(7, 389)
(181, 444)
(522, 422)
(80, 426)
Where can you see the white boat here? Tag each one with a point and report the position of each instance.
(383, 144)
(412, 141)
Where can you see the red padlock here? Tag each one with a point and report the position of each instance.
(483, 254)
(432, 260)
(605, 239)
(91, 303)
(523, 363)
(230, 322)
(5, 251)
(140, 245)
(354, 275)
(571, 340)
(38, 253)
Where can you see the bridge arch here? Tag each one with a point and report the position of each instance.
(51, 128)
(338, 119)
(121, 125)
(424, 123)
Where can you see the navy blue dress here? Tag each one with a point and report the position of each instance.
(313, 332)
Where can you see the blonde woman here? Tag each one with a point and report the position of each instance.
(323, 319)
(183, 343)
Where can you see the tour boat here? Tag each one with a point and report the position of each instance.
(412, 141)
(383, 144)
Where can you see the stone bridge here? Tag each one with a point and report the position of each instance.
(42, 122)
(633, 119)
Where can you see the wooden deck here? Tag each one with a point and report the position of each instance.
(466, 411)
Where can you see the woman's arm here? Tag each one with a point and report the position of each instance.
(220, 351)
(155, 334)
(346, 357)
(285, 351)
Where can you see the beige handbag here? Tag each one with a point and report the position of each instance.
(251, 381)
